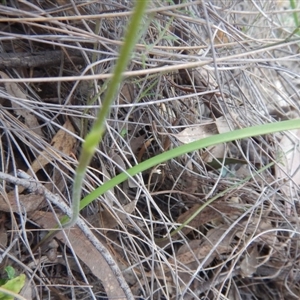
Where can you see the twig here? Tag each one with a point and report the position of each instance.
(12, 244)
(27, 182)
(39, 59)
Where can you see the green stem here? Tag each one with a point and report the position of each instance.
(295, 15)
(93, 139)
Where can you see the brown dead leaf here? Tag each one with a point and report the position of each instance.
(225, 124)
(252, 226)
(211, 213)
(3, 232)
(56, 184)
(108, 221)
(257, 226)
(62, 142)
(202, 79)
(143, 149)
(105, 220)
(119, 161)
(195, 133)
(85, 250)
(128, 209)
(136, 143)
(217, 151)
(190, 254)
(249, 263)
(200, 249)
(221, 37)
(167, 113)
(28, 203)
(213, 237)
(3, 237)
(30, 119)
(127, 93)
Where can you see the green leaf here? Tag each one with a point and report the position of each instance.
(11, 273)
(123, 132)
(186, 148)
(14, 285)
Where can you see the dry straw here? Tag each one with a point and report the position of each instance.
(189, 219)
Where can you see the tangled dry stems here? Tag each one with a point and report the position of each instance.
(245, 244)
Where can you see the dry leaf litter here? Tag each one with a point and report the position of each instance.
(239, 201)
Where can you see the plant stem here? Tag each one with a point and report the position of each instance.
(95, 136)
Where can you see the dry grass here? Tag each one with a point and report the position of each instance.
(244, 245)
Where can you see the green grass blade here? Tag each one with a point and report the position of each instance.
(93, 139)
(206, 142)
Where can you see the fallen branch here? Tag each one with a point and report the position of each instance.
(27, 182)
